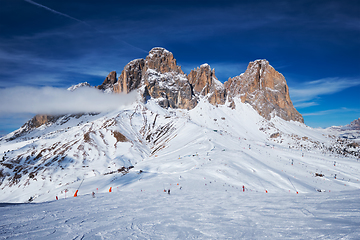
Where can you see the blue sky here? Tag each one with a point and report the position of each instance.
(314, 44)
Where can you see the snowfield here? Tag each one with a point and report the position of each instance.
(231, 173)
(186, 214)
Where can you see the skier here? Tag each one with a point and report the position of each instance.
(93, 194)
(169, 191)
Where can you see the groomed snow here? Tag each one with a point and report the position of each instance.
(186, 214)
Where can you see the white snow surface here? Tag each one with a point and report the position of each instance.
(74, 87)
(205, 65)
(186, 214)
(228, 178)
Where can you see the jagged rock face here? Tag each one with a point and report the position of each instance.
(40, 120)
(162, 61)
(265, 89)
(33, 123)
(130, 77)
(165, 81)
(161, 77)
(109, 82)
(205, 83)
(171, 89)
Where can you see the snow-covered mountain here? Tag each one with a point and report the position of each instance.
(184, 132)
(350, 131)
(80, 85)
(354, 125)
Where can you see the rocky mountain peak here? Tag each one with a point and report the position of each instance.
(162, 61)
(205, 83)
(201, 79)
(130, 77)
(74, 87)
(161, 78)
(109, 82)
(165, 81)
(265, 90)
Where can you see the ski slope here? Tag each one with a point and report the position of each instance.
(230, 172)
(186, 214)
(202, 149)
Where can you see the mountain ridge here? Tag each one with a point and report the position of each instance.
(261, 85)
(158, 76)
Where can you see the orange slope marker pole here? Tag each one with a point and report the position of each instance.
(75, 195)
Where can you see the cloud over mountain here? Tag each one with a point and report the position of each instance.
(50, 100)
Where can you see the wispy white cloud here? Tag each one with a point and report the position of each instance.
(332, 111)
(305, 104)
(306, 94)
(83, 22)
(320, 113)
(50, 100)
(54, 11)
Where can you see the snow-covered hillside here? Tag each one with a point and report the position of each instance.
(230, 173)
(144, 147)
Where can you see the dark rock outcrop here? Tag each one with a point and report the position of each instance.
(33, 123)
(40, 120)
(131, 77)
(165, 81)
(161, 78)
(109, 82)
(163, 61)
(205, 83)
(265, 90)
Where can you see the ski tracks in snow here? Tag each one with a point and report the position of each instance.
(186, 215)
